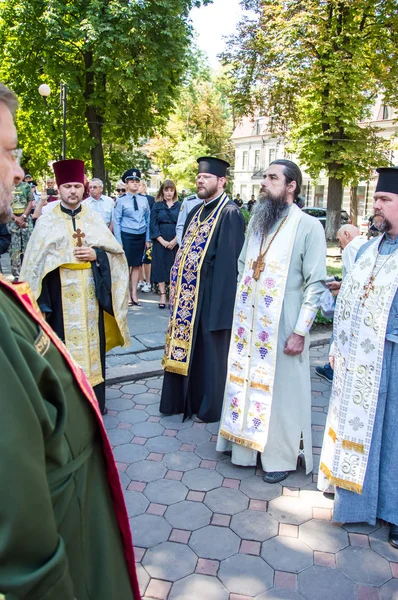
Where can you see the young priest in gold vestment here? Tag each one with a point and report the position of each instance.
(78, 273)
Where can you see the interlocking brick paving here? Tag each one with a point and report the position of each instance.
(205, 529)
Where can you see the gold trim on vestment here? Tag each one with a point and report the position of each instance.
(236, 379)
(332, 434)
(259, 386)
(113, 336)
(348, 445)
(76, 266)
(341, 483)
(241, 441)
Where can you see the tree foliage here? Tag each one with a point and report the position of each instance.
(122, 61)
(316, 67)
(200, 125)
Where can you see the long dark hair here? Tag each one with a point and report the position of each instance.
(292, 173)
(165, 185)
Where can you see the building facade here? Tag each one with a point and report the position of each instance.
(256, 148)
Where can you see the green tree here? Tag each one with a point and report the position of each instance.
(122, 62)
(200, 125)
(315, 67)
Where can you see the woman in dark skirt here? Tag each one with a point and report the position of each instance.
(164, 215)
(131, 227)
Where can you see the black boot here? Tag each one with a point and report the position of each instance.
(393, 537)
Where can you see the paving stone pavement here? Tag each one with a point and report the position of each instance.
(204, 529)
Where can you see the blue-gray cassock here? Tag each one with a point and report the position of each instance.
(379, 498)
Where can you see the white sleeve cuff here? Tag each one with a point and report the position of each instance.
(305, 320)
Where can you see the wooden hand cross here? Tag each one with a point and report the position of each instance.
(79, 235)
(258, 267)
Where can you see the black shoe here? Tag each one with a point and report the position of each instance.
(393, 537)
(196, 419)
(325, 372)
(275, 476)
(104, 411)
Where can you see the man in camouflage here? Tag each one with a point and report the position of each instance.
(21, 225)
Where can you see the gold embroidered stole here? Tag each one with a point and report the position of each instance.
(80, 315)
(184, 289)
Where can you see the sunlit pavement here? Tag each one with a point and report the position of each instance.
(205, 529)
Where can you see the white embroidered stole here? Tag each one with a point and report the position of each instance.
(360, 325)
(252, 354)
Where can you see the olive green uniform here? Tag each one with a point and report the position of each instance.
(19, 235)
(60, 536)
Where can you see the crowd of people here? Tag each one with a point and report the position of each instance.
(241, 305)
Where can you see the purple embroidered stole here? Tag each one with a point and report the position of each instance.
(184, 289)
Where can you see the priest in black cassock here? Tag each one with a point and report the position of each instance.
(202, 295)
(79, 276)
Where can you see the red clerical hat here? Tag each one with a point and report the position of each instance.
(69, 171)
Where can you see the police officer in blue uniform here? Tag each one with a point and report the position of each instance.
(131, 226)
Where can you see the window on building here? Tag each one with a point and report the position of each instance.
(386, 113)
(258, 127)
(319, 196)
(255, 190)
(303, 193)
(271, 155)
(245, 159)
(361, 193)
(256, 160)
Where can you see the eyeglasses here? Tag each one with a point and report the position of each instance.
(119, 190)
(15, 154)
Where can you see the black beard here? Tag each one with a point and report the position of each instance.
(268, 211)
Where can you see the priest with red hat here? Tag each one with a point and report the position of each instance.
(79, 276)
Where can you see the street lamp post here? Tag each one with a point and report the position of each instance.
(63, 95)
(45, 91)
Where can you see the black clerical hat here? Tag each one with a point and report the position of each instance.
(388, 180)
(131, 174)
(214, 166)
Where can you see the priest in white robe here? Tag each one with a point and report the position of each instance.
(360, 447)
(267, 403)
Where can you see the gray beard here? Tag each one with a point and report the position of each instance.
(5, 204)
(384, 226)
(267, 212)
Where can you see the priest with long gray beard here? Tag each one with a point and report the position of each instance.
(267, 403)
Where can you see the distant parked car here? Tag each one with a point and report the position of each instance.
(320, 214)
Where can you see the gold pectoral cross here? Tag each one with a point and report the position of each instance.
(258, 267)
(79, 235)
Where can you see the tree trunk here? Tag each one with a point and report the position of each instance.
(335, 197)
(97, 156)
(94, 120)
(354, 205)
